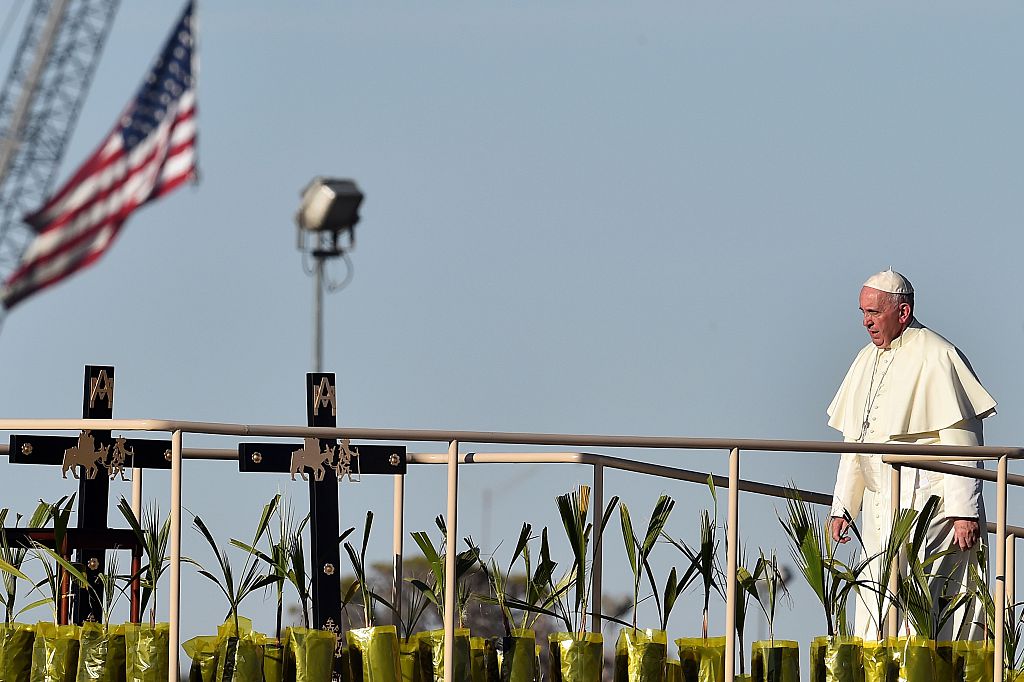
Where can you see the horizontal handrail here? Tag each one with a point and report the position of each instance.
(506, 437)
(955, 469)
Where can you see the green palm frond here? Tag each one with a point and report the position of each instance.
(250, 579)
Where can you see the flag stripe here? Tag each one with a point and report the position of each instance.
(148, 153)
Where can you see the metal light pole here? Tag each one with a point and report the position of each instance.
(329, 210)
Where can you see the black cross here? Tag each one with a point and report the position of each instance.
(322, 460)
(93, 457)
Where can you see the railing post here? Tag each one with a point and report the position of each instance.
(137, 493)
(1011, 568)
(174, 635)
(892, 621)
(451, 550)
(596, 570)
(1000, 596)
(732, 540)
(397, 538)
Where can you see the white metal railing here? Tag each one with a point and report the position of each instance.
(929, 457)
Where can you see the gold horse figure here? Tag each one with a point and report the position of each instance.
(311, 456)
(86, 454)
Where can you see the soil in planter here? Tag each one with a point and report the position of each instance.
(373, 654)
(837, 659)
(146, 652)
(16, 652)
(702, 660)
(101, 654)
(520, 661)
(574, 658)
(641, 655)
(55, 653)
(775, 660)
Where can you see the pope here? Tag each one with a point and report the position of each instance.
(910, 385)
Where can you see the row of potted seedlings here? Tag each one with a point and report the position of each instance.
(95, 651)
(539, 595)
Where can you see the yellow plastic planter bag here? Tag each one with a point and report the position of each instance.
(55, 653)
(16, 652)
(202, 651)
(703, 660)
(432, 655)
(973, 661)
(673, 671)
(373, 654)
(484, 659)
(409, 656)
(239, 652)
(837, 659)
(519, 659)
(775, 660)
(146, 652)
(879, 665)
(575, 658)
(101, 653)
(942, 661)
(308, 655)
(641, 655)
(273, 661)
(915, 656)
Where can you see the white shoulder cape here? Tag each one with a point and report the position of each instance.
(930, 386)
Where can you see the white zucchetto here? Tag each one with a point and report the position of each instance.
(890, 282)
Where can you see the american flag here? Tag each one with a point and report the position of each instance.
(150, 151)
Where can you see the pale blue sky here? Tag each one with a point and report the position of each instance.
(580, 217)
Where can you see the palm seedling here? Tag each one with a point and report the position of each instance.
(112, 587)
(154, 535)
(54, 565)
(766, 585)
(12, 557)
(250, 579)
(877, 581)
(744, 578)
(359, 568)
(466, 563)
(415, 604)
(815, 556)
(927, 614)
(574, 510)
(703, 559)
(285, 559)
(536, 598)
(638, 550)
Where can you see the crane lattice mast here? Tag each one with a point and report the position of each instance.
(50, 75)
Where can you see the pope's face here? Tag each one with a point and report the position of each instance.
(883, 320)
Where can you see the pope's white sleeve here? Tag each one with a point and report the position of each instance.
(849, 491)
(962, 496)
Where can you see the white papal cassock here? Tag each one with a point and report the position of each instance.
(921, 390)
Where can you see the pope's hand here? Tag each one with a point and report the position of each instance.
(840, 526)
(965, 533)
